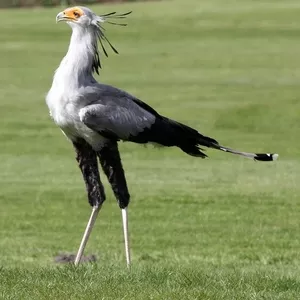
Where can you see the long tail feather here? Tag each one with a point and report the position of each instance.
(255, 156)
(190, 141)
(167, 132)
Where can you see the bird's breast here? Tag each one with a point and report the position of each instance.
(61, 109)
(64, 110)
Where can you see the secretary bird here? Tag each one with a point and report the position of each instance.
(95, 116)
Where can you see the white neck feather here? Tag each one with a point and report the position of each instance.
(76, 67)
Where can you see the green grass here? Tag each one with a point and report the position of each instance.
(220, 228)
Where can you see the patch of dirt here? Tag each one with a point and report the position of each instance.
(65, 258)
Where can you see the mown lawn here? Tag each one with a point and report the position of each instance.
(220, 228)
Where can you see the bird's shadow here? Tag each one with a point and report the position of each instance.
(65, 258)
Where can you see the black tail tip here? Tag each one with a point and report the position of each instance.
(266, 156)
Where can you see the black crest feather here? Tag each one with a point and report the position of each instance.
(101, 37)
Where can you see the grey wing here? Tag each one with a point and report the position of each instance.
(116, 122)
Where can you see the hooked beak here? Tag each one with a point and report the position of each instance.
(60, 17)
(63, 16)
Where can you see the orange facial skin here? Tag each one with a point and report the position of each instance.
(73, 13)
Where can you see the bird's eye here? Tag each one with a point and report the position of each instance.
(76, 14)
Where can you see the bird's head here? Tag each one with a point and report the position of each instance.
(80, 17)
(84, 17)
